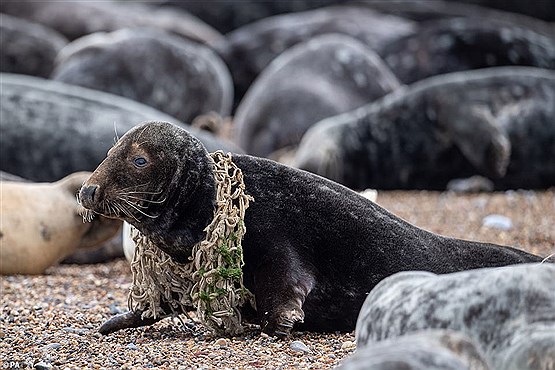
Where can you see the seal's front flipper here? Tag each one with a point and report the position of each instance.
(478, 135)
(126, 320)
(282, 285)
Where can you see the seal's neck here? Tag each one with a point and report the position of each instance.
(188, 210)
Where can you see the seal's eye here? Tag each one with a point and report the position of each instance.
(139, 162)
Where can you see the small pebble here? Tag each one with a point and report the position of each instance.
(264, 335)
(43, 366)
(474, 184)
(370, 194)
(51, 346)
(115, 310)
(222, 342)
(75, 330)
(497, 222)
(299, 346)
(132, 346)
(347, 345)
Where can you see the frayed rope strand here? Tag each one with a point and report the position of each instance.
(212, 281)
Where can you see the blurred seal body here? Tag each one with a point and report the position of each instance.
(495, 122)
(320, 78)
(41, 225)
(508, 311)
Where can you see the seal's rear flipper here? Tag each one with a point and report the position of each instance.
(282, 285)
(478, 135)
(126, 320)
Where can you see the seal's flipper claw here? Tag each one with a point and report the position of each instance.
(124, 321)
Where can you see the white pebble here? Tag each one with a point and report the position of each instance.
(299, 346)
(497, 222)
(347, 345)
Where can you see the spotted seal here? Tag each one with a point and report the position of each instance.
(421, 350)
(313, 80)
(31, 240)
(508, 311)
(313, 249)
(495, 122)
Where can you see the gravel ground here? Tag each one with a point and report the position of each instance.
(52, 319)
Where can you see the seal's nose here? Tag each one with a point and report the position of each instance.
(86, 195)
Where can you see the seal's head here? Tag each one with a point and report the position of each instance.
(159, 178)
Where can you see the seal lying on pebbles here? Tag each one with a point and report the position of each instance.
(320, 78)
(422, 11)
(70, 126)
(509, 311)
(496, 122)
(75, 19)
(248, 50)
(466, 43)
(313, 248)
(31, 239)
(229, 15)
(182, 78)
(424, 350)
(28, 48)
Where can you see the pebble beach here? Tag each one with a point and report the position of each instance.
(50, 321)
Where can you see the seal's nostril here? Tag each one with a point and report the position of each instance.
(86, 195)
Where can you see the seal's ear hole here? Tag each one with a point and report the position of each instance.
(140, 162)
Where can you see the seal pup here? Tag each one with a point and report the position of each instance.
(320, 78)
(466, 43)
(75, 19)
(182, 78)
(495, 122)
(508, 311)
(422, 350)
(250, 49)
(28, 48)
(313, 248)
(31, 239)
(70, 126)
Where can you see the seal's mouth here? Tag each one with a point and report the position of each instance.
(131, 204)
(87, 214)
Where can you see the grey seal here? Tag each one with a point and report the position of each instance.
(467, 43)
(249, 50)
(320, 78)
(75, 19)
(28, 48)
(494, 122)
(182, 78)
(50, 129)
(313, 248)
(421, 350)
(508, 311)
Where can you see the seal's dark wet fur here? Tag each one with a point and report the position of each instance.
(310, 242)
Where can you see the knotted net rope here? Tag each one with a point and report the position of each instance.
(212, 281)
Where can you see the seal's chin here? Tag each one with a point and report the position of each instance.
(87, 214)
